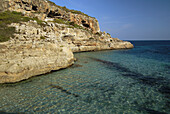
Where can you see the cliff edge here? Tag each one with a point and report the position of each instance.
(37, 36)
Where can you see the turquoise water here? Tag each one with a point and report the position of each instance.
(135, 81)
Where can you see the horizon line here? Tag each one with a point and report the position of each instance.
(147, 40)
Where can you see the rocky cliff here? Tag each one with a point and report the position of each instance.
(44, 9)
(45, 41)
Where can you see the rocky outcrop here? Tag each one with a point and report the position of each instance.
(40, 48)
(36, 50)
(19, 61)
(77, 40)
(44, 9)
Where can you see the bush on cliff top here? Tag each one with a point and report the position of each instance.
(68, 10)
(70, 24)
(61, 21)
(6, 18)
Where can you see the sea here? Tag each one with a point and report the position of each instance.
(132, 81)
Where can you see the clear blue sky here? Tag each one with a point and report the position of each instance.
(127, 19)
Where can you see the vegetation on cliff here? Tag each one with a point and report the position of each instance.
(6, 18)
(68, 10)
(70, 24)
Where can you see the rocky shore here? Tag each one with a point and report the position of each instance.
(38, 48)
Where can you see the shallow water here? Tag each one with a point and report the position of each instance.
(124, 81)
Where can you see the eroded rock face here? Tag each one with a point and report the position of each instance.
(43, 9)
(23, 60)
(77, 40)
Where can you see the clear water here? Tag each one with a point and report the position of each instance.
(135, 81)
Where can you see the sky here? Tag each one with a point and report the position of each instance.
(127, 19)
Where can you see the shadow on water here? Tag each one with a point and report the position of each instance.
(104, 92)
(161, 83)
(3, 112)
(63, 90)
(167, 66)
(150, 111)
(76, 66)
(17, 83)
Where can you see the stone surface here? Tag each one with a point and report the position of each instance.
(22, 61)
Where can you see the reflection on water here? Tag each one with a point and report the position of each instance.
(100, 82)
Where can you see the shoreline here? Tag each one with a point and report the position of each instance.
(11, 81)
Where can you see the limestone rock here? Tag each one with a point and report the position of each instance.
(22, 61)
(44, 9)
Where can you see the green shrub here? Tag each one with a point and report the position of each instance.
(98, 33)
(52, 3)
(91, 38)
(40, 22)
(65, 9)
(6, 18)
(60, 21)
(42, 37)
(76, 26)
(70, 24)
(79, 12)
(108, 34)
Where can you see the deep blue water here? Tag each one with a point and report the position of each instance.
(134, 81)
